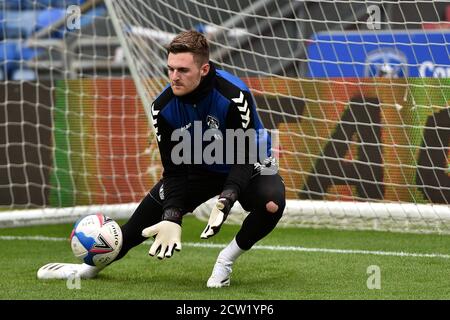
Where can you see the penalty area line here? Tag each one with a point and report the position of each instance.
(262, 247)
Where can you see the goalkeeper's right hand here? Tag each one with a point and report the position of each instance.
(168, 235)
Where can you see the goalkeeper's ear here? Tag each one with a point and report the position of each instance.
(204, 69)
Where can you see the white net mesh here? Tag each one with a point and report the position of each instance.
(73, 133)
(358, 92)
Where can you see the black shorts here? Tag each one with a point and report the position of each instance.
(203, 186)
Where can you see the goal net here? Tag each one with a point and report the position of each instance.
(356, 92)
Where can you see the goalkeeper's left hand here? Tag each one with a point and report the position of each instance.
(219, 213)
(168, 234)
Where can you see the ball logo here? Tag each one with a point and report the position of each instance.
(101, 245)
(116, 234)
(386, 63)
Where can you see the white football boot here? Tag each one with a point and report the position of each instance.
(220, 276)
(67, 270)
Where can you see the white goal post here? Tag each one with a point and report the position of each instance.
(358, 93)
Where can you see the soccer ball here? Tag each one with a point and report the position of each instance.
(96, 240)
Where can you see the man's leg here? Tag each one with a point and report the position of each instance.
(147, 213)
(201, 187)
(265, 199)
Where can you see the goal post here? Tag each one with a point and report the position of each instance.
(355, 125)
(357, 93)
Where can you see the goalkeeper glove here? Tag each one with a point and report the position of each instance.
(219, 213)
(168, 234)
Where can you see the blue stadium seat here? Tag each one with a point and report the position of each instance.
(7, 50)
(41, 4)
(19, 24)
(2, 24)
(26, 53)
(24, 74)
(12, 55)
(87, 17)
(13, 4)
(58, 3)
(37, 4)
(8, 57)
(49, 16)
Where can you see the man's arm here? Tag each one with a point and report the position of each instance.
(239, 116)
(174, 176)
(167, 233)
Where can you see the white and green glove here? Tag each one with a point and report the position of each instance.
(219, 213)
(168, 234)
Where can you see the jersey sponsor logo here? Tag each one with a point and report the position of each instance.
(242, 105)
(212, 122)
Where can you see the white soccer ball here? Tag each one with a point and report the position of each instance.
(96, 240)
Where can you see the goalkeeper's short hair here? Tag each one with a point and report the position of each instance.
(191, 41)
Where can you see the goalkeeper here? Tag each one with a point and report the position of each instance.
(201, 96)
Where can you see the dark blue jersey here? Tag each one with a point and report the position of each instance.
(203, 121)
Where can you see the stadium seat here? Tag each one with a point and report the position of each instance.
(49, 16)
(8, 57)
(59, 3)
(24, 74)
(13, 4)
(13, 54)
(2, 24)
(37, 4)
(22, 20)
(26, 53)
(87, 17)
(19, 24)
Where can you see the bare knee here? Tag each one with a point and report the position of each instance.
(271, 207)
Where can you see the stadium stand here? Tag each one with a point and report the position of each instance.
(32, 38)
(34, 42)
(441, 24)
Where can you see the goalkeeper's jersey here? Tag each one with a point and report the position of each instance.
(222, 103)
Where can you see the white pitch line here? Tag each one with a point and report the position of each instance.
(326, 250)
(261, 247)
(34, 238)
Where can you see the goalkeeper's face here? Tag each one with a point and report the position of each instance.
(185, 73)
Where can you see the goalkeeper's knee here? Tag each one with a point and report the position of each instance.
(272, 204)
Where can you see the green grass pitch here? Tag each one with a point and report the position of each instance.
(289, 264)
